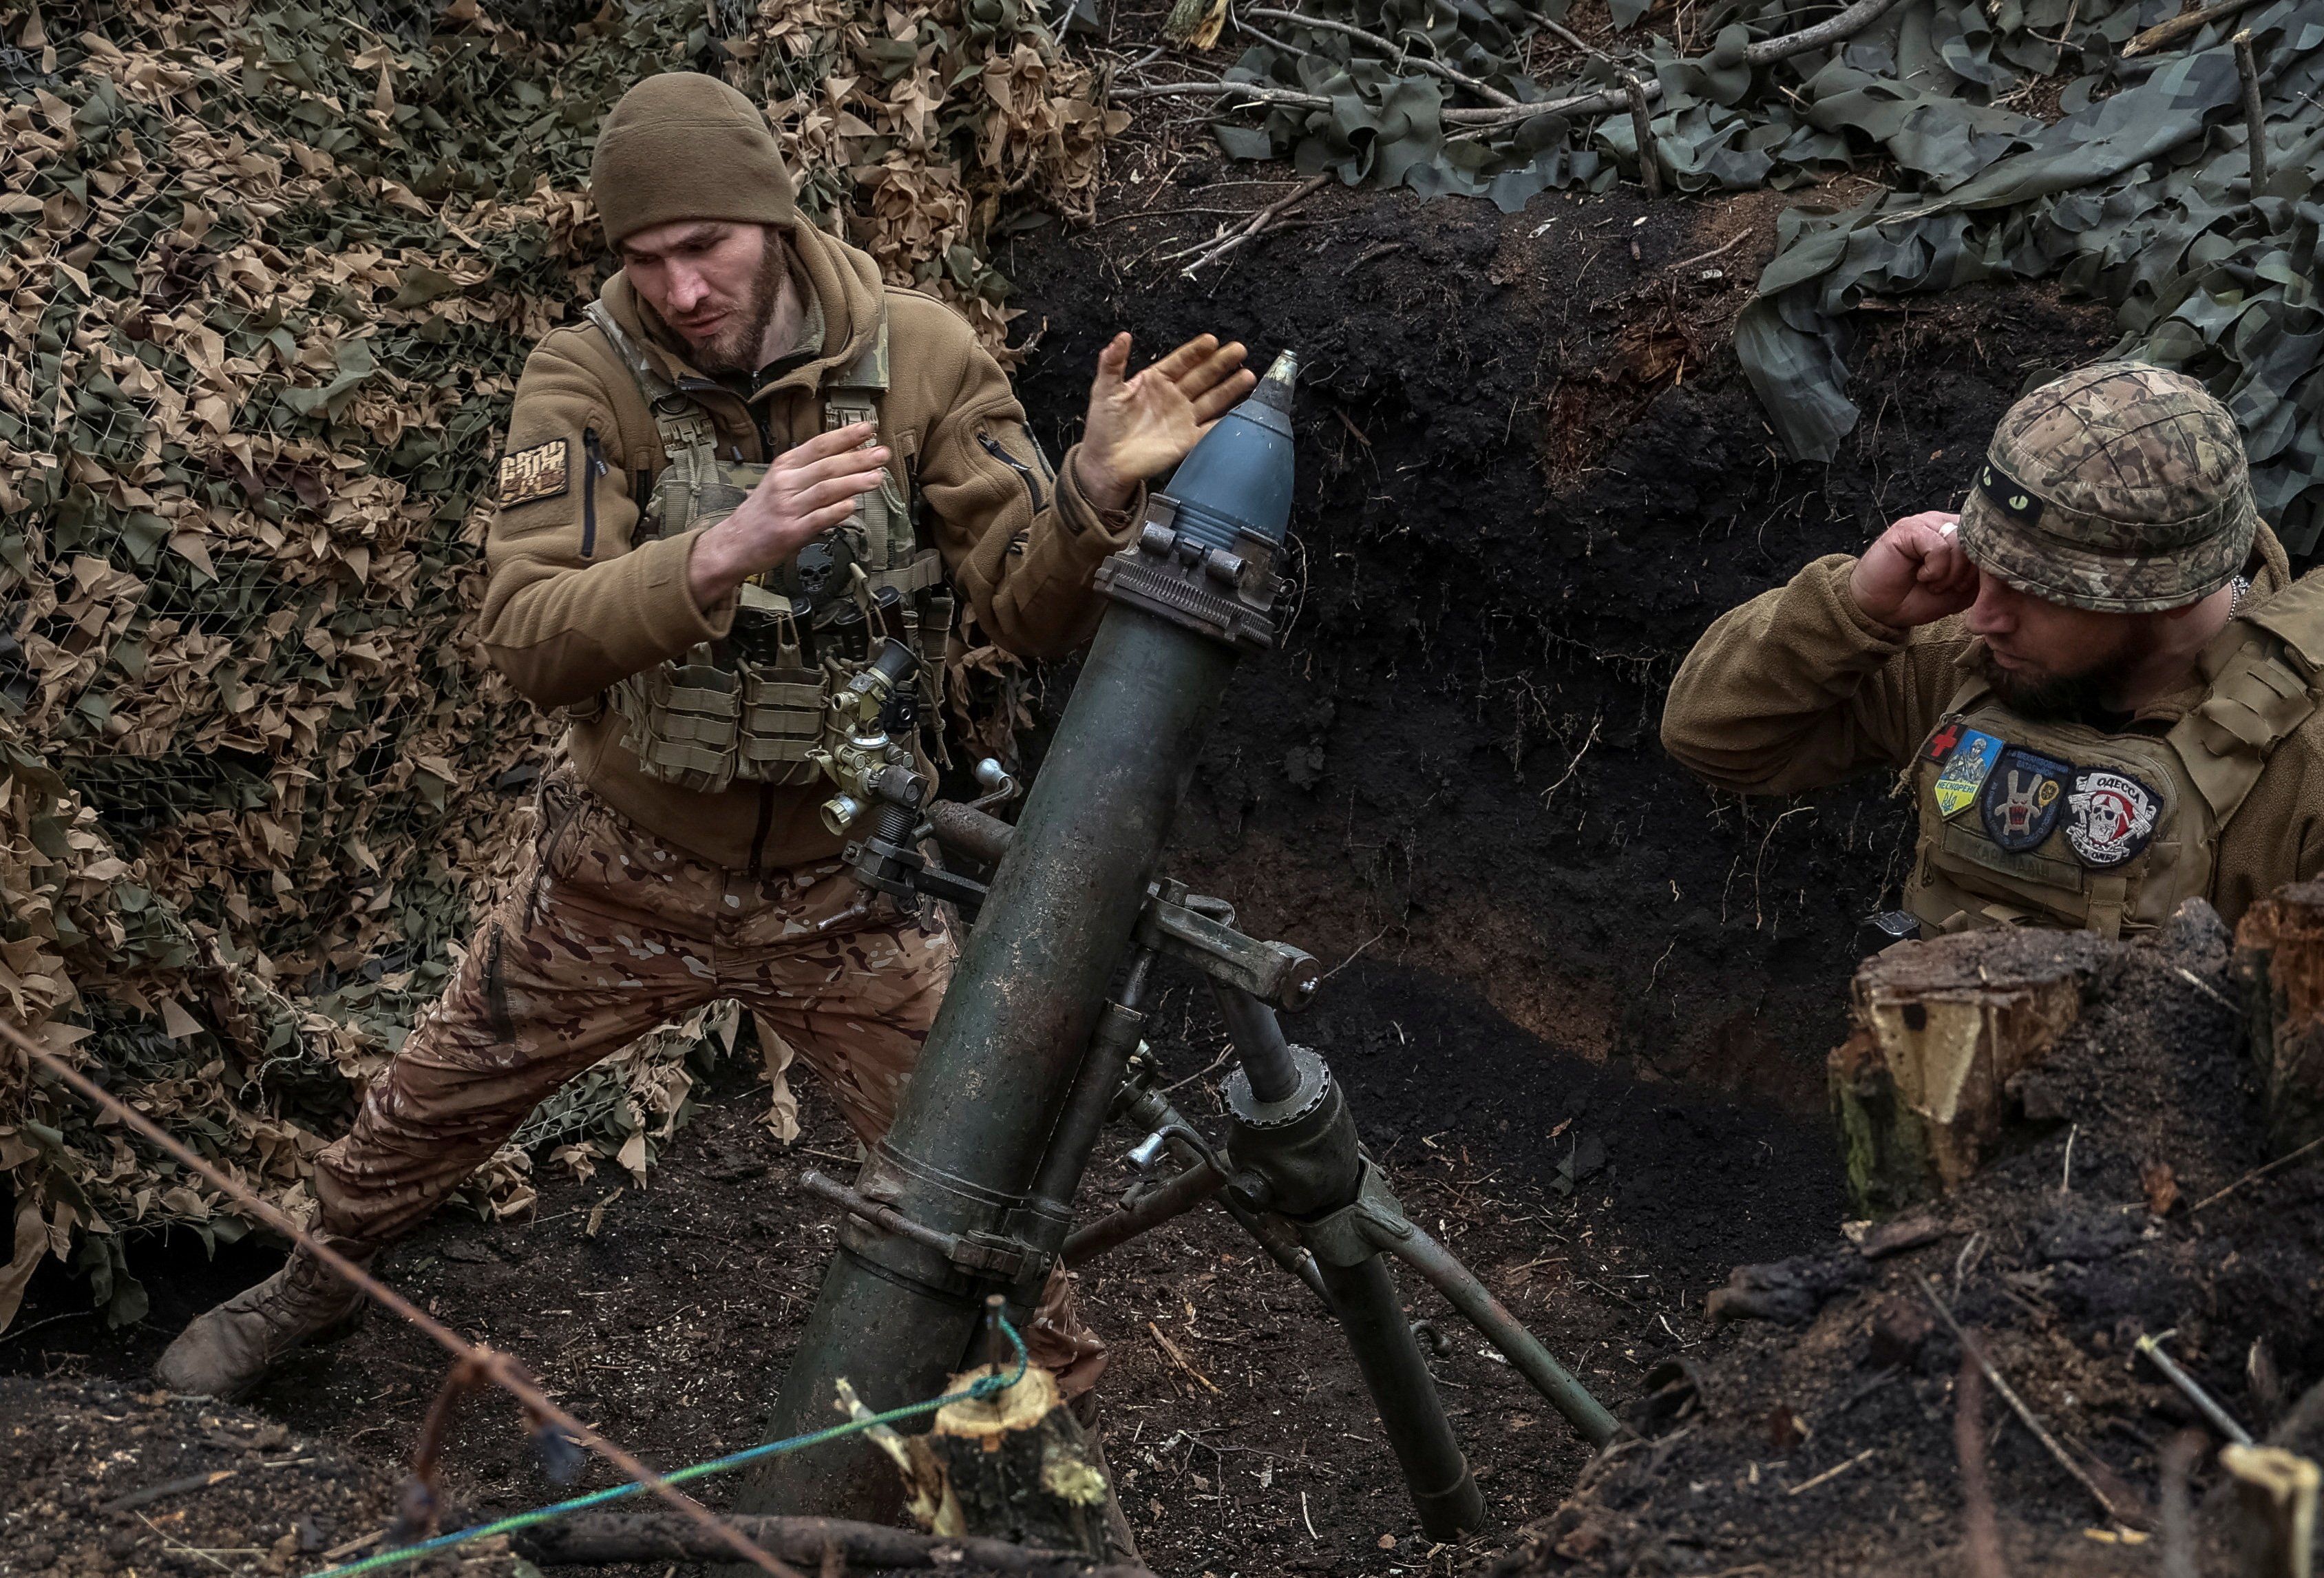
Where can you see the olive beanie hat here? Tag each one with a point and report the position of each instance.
(682, 145)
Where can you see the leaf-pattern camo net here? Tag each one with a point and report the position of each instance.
(2136, 188)
(269, 276)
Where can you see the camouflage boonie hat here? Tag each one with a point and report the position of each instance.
(2119, 487)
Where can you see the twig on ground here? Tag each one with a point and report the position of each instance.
(2179, 27)
(1603, 101)
(2255, 1174)
(1831, 1473)
(1977, 1519)
(504, 1372)
(1243, 90)
(2026, 1416)
(1721, 250)
(1212, 250)
(1178, 1355)
(2208, 989)
(1376, 249)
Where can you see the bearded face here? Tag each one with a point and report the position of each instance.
(715, 283)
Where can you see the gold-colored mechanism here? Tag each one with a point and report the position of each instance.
(866, 748)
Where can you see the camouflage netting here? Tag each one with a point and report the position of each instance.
(2134, 187)
(269, 274)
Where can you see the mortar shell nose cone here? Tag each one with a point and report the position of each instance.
(1274, 390)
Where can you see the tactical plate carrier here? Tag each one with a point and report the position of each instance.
(754, 708)
(2070, 826)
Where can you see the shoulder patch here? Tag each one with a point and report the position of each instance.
(541, 472)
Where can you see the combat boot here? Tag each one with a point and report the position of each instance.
(1120, 1544)
(225, 1353)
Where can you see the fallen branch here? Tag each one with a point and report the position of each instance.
(2026, 1416)
(2257, 1174)
(1831, 1473)
(1604, 101)
(1426, 63)
(1831, 31)
(1248, 91)
(1211, 251)
(2179, 27)
(597, 1538)
(1178, 1355)
(1724, 247)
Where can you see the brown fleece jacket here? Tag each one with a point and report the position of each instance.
(1798, 688)
(573, 605)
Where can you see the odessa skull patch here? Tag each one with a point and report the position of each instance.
(2023, 798)
(1965, 772)
(2109, 816)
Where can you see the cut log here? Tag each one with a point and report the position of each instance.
(2280, 962)
(1923, 1088)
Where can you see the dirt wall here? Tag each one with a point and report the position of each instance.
(1530, 475)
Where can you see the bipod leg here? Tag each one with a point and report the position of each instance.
(1295, 1142)
(1400, 1236)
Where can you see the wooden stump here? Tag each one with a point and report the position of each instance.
(1922, 1088)
(2280, 961)
(1014, 1467)
(2275, 1508)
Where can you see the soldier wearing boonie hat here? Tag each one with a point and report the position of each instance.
(2099, 677)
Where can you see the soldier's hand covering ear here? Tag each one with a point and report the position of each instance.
(1139, 427)
(806, 493)
(1914, 573)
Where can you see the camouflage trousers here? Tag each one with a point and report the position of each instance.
(608, 933)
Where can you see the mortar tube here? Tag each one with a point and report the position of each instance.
(1520, 1347)
(976, 1119)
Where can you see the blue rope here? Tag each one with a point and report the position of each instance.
(977, 1390)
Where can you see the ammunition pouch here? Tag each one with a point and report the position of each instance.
(753, 708)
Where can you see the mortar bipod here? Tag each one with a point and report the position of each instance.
(1374, 1220)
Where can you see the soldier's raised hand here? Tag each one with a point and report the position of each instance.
(1141, 426)
(1914, 572)
(807, 491)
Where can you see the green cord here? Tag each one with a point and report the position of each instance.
(977, 1390)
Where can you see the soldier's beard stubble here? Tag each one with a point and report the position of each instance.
(2050, 696)
(737, 348)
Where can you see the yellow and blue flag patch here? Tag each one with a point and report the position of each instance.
(1965, 772)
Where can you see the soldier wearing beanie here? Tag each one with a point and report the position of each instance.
(752, 460)
(2099, 678)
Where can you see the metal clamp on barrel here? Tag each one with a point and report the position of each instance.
(980, 1254)
(1201, 562)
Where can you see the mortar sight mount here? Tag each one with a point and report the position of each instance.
(1040, 1043)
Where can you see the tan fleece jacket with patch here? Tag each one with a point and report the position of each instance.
(1798, 689)
(573, 603)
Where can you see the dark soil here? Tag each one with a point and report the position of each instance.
(103, 1478)
(1531, 474)
(1580, 1003)
(1827, 1445)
